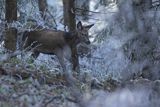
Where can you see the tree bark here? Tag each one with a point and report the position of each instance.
(11, 32)
(69, 16)
(42, 7)
(69, 20)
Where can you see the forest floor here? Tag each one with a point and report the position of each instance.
(20, 87)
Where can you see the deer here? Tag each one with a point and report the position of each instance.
(56, 42)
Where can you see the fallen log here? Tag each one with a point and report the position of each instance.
(42, 77)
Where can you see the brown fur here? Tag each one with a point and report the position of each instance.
(47, 39)
(53, 42)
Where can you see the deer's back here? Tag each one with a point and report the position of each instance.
(48, 40)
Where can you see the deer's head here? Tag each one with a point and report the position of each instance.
(82, 33)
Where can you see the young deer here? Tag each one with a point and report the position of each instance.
(55, 42)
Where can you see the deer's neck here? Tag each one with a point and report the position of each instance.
(71, 38)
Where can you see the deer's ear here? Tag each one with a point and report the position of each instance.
(89, 26)
(79, 25)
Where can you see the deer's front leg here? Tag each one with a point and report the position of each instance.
(35, 54)
(60, 56)
(75, 60)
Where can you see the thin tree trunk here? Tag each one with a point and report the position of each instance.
(42, 7)
(69, 20)
(69, 16)
(11, 32)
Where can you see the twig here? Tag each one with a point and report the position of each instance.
(92, 11)
(52, 99)
(52, 17)
(8, 56)
(71, 100)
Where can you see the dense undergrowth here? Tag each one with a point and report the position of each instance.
(122, 70)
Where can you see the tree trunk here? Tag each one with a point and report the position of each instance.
(11, 32)
(42, 7)
(69, 20)
(69, 16)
